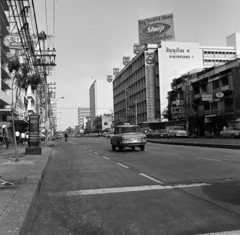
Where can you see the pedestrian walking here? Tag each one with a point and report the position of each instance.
(5, 137)
(26, 137)
(17, 134)
(23, 139)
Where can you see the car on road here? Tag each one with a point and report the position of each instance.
(230, 132)
(59, 136)
(177, 131)
(128, 136)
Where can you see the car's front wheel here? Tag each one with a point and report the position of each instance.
(113, 147)
(142, 147)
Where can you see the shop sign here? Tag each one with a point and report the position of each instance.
(175, 110)
(219, 94)
(13, 41)
(207, 97)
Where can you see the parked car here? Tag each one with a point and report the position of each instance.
(156, 134)
(209, 134)
(232, 132)
(177, 131)
(128, 136)
(164, 134)
(149, 134)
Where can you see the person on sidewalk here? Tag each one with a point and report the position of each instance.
(5, 136)
(23, 139)
(17, 134)
(26, 137)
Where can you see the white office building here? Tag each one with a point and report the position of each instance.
(101, 99)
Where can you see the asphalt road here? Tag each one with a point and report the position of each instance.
(166, 189)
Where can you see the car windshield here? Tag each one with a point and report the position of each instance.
(130, 129)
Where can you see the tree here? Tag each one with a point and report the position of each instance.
(166, 113)
(22, 77)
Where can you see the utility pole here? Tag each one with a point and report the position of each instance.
(44, 59)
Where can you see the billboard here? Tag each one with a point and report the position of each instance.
(156, 29)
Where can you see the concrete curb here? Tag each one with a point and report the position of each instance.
(197, 144)
(15, 219)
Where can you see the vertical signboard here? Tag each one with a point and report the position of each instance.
(126, 60)
(156, 29)
(115, 71)
(126, 100)
(109, 78)
(137, 48)
(150, 85)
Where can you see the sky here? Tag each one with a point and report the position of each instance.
(92, 36)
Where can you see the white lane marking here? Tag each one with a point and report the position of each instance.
(114, 190)
(110, 190)
(190, 185)
(71, 142)
(122, 165)
(90, 150)
(151, 178)
(210, 159)
(234, 232)
(106, 157)
(96, 153)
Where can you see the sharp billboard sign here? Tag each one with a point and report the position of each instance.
(156, 29)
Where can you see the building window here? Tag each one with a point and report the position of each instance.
(215, 84)
(224, 81)
(105, 123)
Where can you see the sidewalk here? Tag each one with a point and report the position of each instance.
(20, 184)
(201, 141)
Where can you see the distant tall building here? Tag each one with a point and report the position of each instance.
(82, 113)
(101, 99)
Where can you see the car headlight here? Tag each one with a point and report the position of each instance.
(124, 138)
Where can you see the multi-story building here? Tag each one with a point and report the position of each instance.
(83, 113)
(102, 122)
(5, 99)
(101, 99)
(140, 89)
(11, 100)
(209, 100)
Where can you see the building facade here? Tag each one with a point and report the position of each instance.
(140, 89)
(103, 122)
(101, 99)
(210, 99)
(83, 113)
